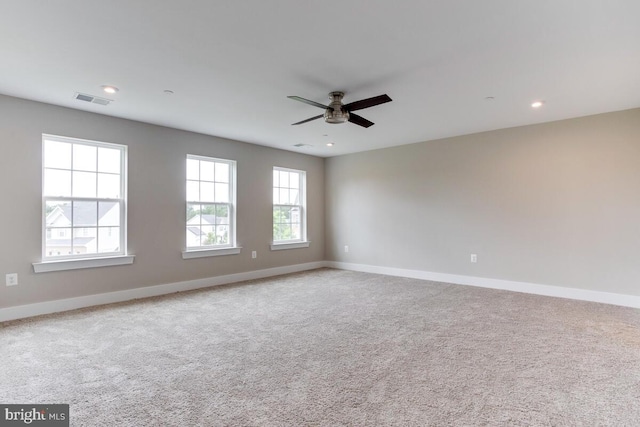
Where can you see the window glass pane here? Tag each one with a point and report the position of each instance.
(84, 157)
(58, 213)
(108, 160)
(108, 186)
(276, 178)
(57, 155)
(222, 193)
(85, 214)
(294, 180)
(206, 171)
(109, 214)
(281, 229)
(286, 212)
(294, 197)
(109, 239)
(276, 196)
(85, 240)
(277, 233)
(193, 209)
(207, 192)
(57, 183)
(193, 169)
(222, 235)
(208, 235)
(208, 215)
(281, 232)
(278, 215)
(284, 179)
(59, 243)
(193, 190)
(295, 231)
(84, 184)
(294, 215)
(222, 214)
(284, 196)
(222, 172)
(193, 236)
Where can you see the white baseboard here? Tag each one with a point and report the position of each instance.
(22, 311)
(507, 285)
(30, 310)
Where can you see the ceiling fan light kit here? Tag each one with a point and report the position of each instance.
(337, 112)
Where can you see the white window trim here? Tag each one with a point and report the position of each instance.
(76, 264)
(58, 263)
(302, 242)
(284, 246)
(218, 250)
(203, 253)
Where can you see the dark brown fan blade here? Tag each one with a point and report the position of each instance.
(306, 101)
(366, 103)
(308, 120)
(360, 121)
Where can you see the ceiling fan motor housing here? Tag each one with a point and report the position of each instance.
(336, 113)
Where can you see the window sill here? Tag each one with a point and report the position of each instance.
(75, 264)
(203, 253)
(284, 246)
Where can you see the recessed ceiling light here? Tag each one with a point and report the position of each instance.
(489, 98)
(330, 144)
(109, 89)
(168, 92)
(537, 104)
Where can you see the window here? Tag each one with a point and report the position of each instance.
(210, 206)
(84, 188)
(289, 208)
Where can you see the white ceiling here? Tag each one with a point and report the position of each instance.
(231, 64)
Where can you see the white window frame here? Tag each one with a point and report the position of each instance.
(231, 247)
(302, 242)
(78, 261)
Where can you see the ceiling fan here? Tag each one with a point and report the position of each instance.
(337, 112)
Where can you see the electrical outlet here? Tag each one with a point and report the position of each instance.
(474, 258)
(12, 279)
(346, 248)
(254, 254)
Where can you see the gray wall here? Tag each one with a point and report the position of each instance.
(555, 204)
(156, 214)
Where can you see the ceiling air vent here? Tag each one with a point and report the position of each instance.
(91, 98)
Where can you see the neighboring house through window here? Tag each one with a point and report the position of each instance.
(289, 208)
(211, 196)
(83, 199)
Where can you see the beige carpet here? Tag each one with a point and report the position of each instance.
(328, 348)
